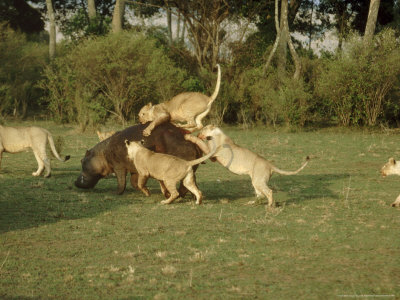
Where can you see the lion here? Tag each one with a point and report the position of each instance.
(168, 169)
(241, 161)
(14, 140)
(391, 168)
(185, 110)
(104, 134)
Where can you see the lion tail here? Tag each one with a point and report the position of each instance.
(216, 91)
(205, 157)
(282, 172)
(53, 148)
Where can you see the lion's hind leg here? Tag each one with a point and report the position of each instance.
(261, 188)
(199, 118)
(43, 161)
(40, 162)
(190, 183)
(171, 187)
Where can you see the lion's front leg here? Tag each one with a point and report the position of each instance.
(142, 180)
(162, 118)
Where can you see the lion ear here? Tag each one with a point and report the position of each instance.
(150, 104)
(392, 161)
(127, 142)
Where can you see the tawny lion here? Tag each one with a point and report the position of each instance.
(392, 168)
(14, 140)
(185, 110)
(168, 169)
(240, 160)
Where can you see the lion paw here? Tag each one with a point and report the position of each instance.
(146, 132)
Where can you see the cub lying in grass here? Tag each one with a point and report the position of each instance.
(240, 160)
(392, 168)
(168, 169)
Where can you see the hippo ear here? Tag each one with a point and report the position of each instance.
(392, 161)
(87, 153)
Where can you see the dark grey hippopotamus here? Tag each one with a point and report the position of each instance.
(110, 155)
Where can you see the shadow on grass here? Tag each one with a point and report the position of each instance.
(29, 201)
(299, 187)
(302, 188)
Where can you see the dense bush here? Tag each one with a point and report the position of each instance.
(357, 83)
(271, 99)
(21, 65)
(115, 75)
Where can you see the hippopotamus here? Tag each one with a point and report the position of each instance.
(111, 156)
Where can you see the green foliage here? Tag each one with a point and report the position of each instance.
(193, 84)
(21, 64)
(21, 16)
(273, 100)
(115, 75)
(80, 26)
(357, 82)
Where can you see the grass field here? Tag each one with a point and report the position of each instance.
(333, 234)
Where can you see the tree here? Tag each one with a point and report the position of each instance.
(21, 16)
(353, 14)
(118, 16)
(52, 31)
(371, 22)
(283, 39)
(204, 19)
(91, 9)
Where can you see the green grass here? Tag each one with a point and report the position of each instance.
(333, 232)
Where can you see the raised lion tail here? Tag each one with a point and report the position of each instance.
(216, 91)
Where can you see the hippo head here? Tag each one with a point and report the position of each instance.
(92, 170)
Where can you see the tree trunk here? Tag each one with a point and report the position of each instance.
(91, 9)
(278, 35)
(310, 28)
(52, 31)
(169, 22)
(183, 31)
(118, 16)
(282, 46)
(295, 57)
(282, 33)
(371, 21)
(178, 26)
